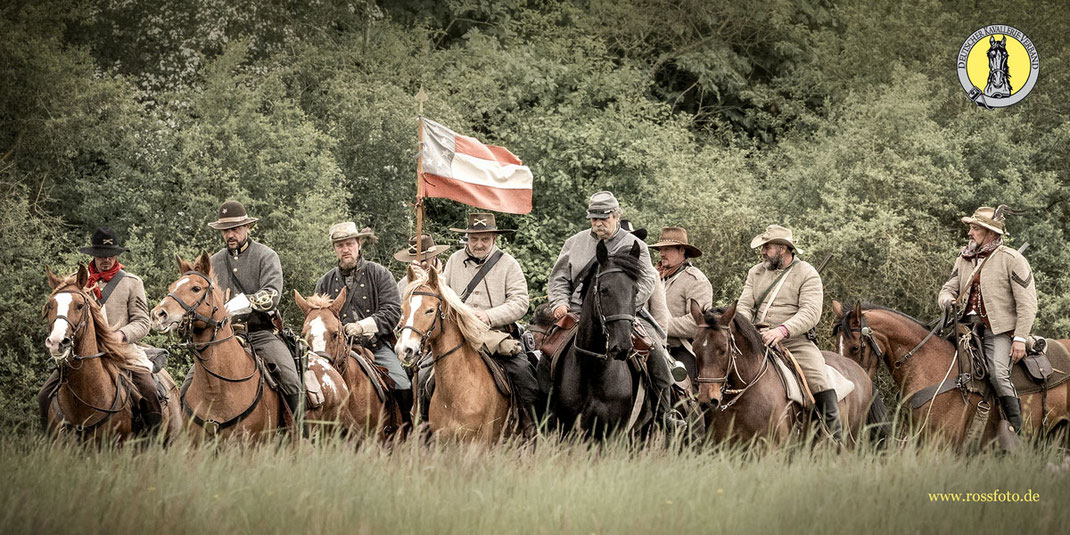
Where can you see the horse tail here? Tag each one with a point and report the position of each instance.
(877, 421)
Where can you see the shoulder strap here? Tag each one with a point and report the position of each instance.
(773, 284)
(230, 271)
(974, 275)
(110, 287)
(482, 273)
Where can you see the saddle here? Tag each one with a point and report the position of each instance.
(1045, 365)
(794, 385)
(376, 374)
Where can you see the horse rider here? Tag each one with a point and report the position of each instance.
(578, 256)
(684, 284)
(248, 267)
(121, 295)
(373, 304)
(492, 282)
(782, 296)
(429, 257)
(992, 286)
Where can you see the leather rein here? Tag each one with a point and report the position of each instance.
(732, 349)
(438, 322)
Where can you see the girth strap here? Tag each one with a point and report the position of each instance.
(213, 427)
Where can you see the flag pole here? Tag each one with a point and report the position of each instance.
(421, 97)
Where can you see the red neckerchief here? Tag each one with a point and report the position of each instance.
(668, 272)
(982, 251)
(95, 276)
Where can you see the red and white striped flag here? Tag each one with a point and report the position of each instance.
(463, 169)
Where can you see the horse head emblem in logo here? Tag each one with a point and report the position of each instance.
(999, 77)
(1008, 55)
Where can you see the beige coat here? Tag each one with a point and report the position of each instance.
(1007, 288)
(659, 308)
(502, 294)
(685, 286)
(796, 306)
(128, 313)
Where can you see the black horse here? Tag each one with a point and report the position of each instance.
(594, 386)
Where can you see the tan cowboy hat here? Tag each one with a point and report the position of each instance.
(428, 249)
(774, 234)
(481, 222)
(676, 237)
(348, 229)
(989, 218)
(232, 214)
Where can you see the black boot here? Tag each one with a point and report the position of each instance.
(151, 410)
(1012, 409)
(828, 409)
(404, 401)
(44, 398)
(663, 413)
(293, 401)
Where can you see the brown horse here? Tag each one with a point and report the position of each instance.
(94, 398)
(466, 404)
(229, 394)
(871, 333)
(744, 396)
(361, 411)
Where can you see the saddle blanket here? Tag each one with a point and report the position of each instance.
(842, 385)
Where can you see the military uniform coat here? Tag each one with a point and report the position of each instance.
(685, 286)
(1007, 288)
(255, 266)
(564, 288)
(502, 294)
(370, 293)
(128, 313)
(658, 307)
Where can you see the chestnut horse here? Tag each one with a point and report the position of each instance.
(361, 411)
(744, 397)
(466, 405)
(947, 418)
(94, 398)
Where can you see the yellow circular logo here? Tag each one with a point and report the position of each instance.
(997, 66)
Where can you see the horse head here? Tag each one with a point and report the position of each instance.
(422, 314)
(856, 338)
(323, 328)
(68, 312)
(714, 347)
(193, 298)
(610, 298)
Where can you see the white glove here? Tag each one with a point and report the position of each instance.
(945, 301)
(365, 326)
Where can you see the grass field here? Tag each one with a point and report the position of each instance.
(337, 487)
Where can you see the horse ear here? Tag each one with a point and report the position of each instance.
(301, 303)
(601, 253)
(729, 313)
(410, 274)
(635, 250)
(53, 280)
(696, 312)
(992, 39)
(83, 276)
(856, 314)
(183, 266)
(837, 308)
(204, 264)
(339, 302)
(432, 277)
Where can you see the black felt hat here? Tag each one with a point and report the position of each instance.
(103, 244)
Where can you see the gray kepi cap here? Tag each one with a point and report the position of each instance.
(602, 205)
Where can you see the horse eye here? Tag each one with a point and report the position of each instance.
(80, 306)
(196, 288)
(428, 312)
(854, 349)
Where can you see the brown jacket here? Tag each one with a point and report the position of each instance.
(796, 306)
(686, 285)
(1007, 289)
(126, 308)
(502, 294)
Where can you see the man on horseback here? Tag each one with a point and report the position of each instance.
(251, 268)
(122, 297)
(429, 257)
(992, 288)
(578, 256)
(684, 284)
(782, 296)
(373, 304)
(492, 282)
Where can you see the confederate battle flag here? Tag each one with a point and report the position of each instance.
(463, 169)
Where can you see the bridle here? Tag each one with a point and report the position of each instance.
(437, 323)
(603, 319)
(732, 349)
(193, 315)
(77, 332)
(866, 333)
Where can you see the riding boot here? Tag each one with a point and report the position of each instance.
(404, 401)
(427, 387)
(664, 415)
(828, 409)
(44, 398)
(293, 401)
(1012, 409)
(151, 410)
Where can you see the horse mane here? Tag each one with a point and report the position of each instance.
(472, 328)
(743, 326)
(108, 340)
(844, 327)
(319, 301)
(631, 265)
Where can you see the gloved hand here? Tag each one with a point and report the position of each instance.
(364, 327)
(945, 301)
(264, 300)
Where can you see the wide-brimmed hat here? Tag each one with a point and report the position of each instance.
(232, 214)
(602, 205)
(774, 234)
(989, 218)
(103, 244)
(481, 222)
(626, 225)
(428, 249)
(676, 237)
(348, 229)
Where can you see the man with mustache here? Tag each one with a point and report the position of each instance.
(373, 303)
(684, 284)
(782, 296)
(992, 288)
(429, 257)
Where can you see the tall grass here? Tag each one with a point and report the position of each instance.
(336, 486)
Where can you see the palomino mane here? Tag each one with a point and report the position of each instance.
(319, 301)
(743, 326)
(108, 340)
(472, 329)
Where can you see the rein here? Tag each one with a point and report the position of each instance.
(603, 319)
(733, 350)
(438, 322)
